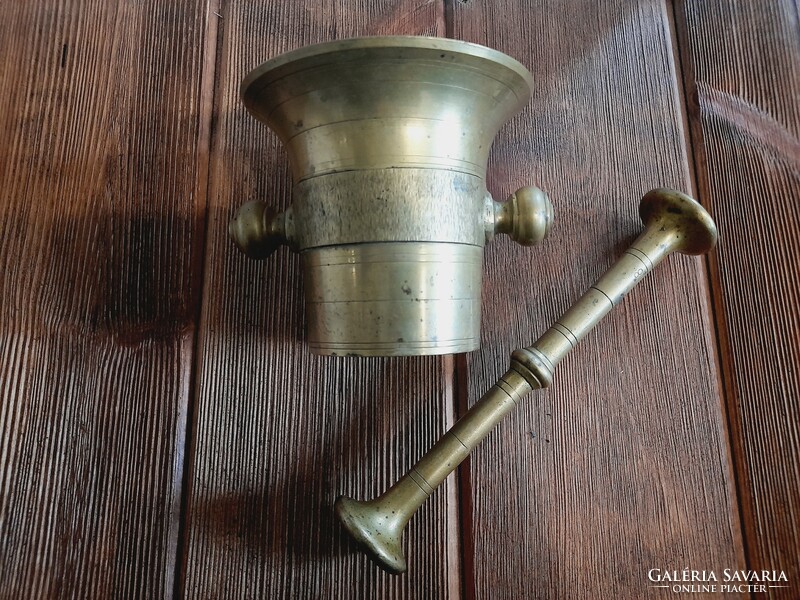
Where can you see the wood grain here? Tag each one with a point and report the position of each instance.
(743, 76)
(623, 465)
(98, 222)
(279, 433)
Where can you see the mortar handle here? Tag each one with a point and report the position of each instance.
(258, 229)
(525, 217)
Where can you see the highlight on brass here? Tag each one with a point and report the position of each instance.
(673, 222)
(388, 140)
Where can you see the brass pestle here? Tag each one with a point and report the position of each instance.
(673, 222)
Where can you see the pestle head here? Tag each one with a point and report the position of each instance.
(377, 532)
(674, 210)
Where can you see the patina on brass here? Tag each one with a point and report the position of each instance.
(673, 223)
(388, 140)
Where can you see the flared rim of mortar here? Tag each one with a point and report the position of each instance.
(413, 47)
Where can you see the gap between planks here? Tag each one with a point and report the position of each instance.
(205, 120)
(695, 148)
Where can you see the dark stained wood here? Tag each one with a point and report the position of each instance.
(623, 465)
(278, 432)
(107, 110)
(99, 220)
(742, 64)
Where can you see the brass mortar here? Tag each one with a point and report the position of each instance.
(388, 140)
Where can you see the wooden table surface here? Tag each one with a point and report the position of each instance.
(163, 429)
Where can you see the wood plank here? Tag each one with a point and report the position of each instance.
(280, 433)
(623, 465)
(98, 224)
(743, 77)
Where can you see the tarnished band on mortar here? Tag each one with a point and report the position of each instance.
(390, 205)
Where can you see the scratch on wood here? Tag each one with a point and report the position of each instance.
(751, 121)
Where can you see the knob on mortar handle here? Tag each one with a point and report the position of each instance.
(526, 216)
(258, 229)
